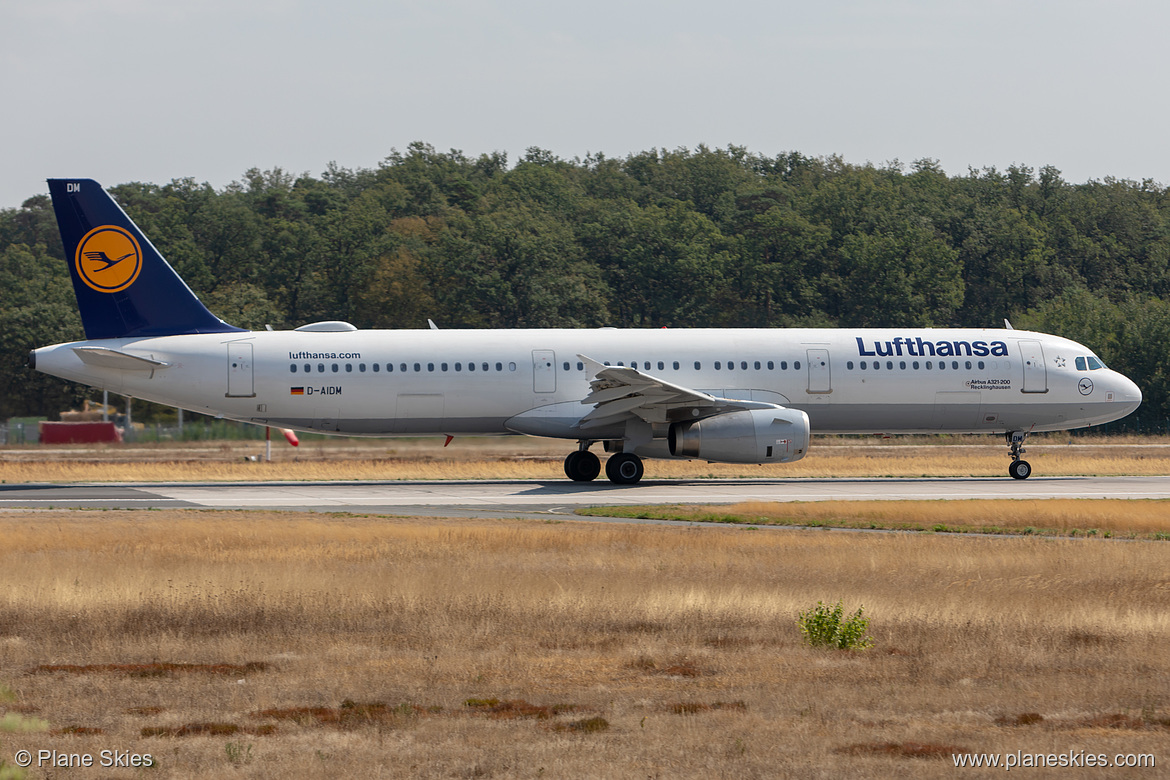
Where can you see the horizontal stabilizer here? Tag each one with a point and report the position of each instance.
(112, 358)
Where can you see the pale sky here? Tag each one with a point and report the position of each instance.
(150, 90)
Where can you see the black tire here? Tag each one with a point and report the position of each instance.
(624, 468)
(1020, 469)
(582, 466)
(588, 466)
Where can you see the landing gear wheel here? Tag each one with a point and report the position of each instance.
(1020, 468)
(582, 466)
(624, 468)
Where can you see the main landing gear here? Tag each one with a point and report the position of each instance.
(1020, 469)
(582, 466)
(622, 468)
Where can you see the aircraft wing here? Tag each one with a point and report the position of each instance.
(619, 392)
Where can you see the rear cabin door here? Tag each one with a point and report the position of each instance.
(239, 365)
(1035, 372)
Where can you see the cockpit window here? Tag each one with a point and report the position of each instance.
(1089, 363)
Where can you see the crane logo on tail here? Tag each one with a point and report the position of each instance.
(108, 259)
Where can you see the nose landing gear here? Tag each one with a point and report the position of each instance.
(1019, 468)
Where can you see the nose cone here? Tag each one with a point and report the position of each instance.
(1127, 395)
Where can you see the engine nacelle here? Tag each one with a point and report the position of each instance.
(777, 435)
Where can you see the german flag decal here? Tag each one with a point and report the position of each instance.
(296, 391)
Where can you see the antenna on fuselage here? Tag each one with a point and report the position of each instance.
(1007, 324)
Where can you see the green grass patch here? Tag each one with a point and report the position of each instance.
(910, 516)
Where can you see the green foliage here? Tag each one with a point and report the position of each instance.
(826, 626)
(681, 238)
(15, 723)
(238, 753)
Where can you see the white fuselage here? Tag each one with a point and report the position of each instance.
(417, 382)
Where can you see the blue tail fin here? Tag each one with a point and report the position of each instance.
(123, 285)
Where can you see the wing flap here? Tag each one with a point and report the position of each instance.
(622, 391)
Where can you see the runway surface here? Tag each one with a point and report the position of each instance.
(504, 498)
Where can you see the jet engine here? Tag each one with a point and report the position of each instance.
(776, 435)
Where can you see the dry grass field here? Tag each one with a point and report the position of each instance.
(525, 458)
(236, 644)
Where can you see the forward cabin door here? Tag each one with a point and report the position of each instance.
(1035, 372)
(544, 371)
(819, 380)
(239, 365)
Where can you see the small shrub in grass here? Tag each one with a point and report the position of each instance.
(827, 625)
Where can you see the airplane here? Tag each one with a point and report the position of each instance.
(750, 396)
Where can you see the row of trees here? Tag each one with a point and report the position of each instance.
(683, 238)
